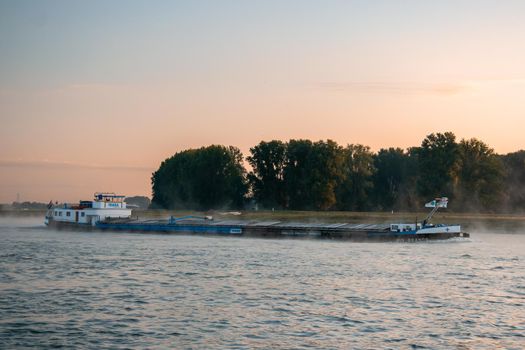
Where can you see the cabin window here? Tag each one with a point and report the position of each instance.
(59, 213)
(56, 213)
(82, 214)
(68, 213)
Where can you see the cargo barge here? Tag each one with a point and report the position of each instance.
(109, 212)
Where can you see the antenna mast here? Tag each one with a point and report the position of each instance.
(437, 203)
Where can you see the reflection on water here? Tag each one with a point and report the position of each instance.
(130, 290)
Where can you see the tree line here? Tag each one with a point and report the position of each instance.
(323, 175)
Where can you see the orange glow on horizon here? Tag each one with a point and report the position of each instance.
(382, 74)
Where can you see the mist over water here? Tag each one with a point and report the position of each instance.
(120, 290)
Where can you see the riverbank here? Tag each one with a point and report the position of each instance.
(469, 221)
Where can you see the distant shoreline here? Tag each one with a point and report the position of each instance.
(468, 220)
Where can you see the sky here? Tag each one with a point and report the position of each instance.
(95, 94)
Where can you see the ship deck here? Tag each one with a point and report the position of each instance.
(271, 229)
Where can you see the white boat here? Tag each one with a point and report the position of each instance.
(104, 206)
(108, 212)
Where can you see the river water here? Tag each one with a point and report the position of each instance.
(123, 290)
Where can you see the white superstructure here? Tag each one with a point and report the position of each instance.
(426, 227)
(102, 207)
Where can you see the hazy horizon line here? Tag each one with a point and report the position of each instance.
(69, 165)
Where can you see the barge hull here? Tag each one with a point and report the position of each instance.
(348, 232)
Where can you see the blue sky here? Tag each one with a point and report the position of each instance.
(46, 43)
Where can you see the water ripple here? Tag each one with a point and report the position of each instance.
(104, 290)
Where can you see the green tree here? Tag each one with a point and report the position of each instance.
(514, 181)
(296, 174)
(437, 159)
(326, 172)
(204, 178)
(357, 183)
(394, 178)
(267, 160)
(409, 198)
(312, 173)
(479, 176)
(468, 171)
